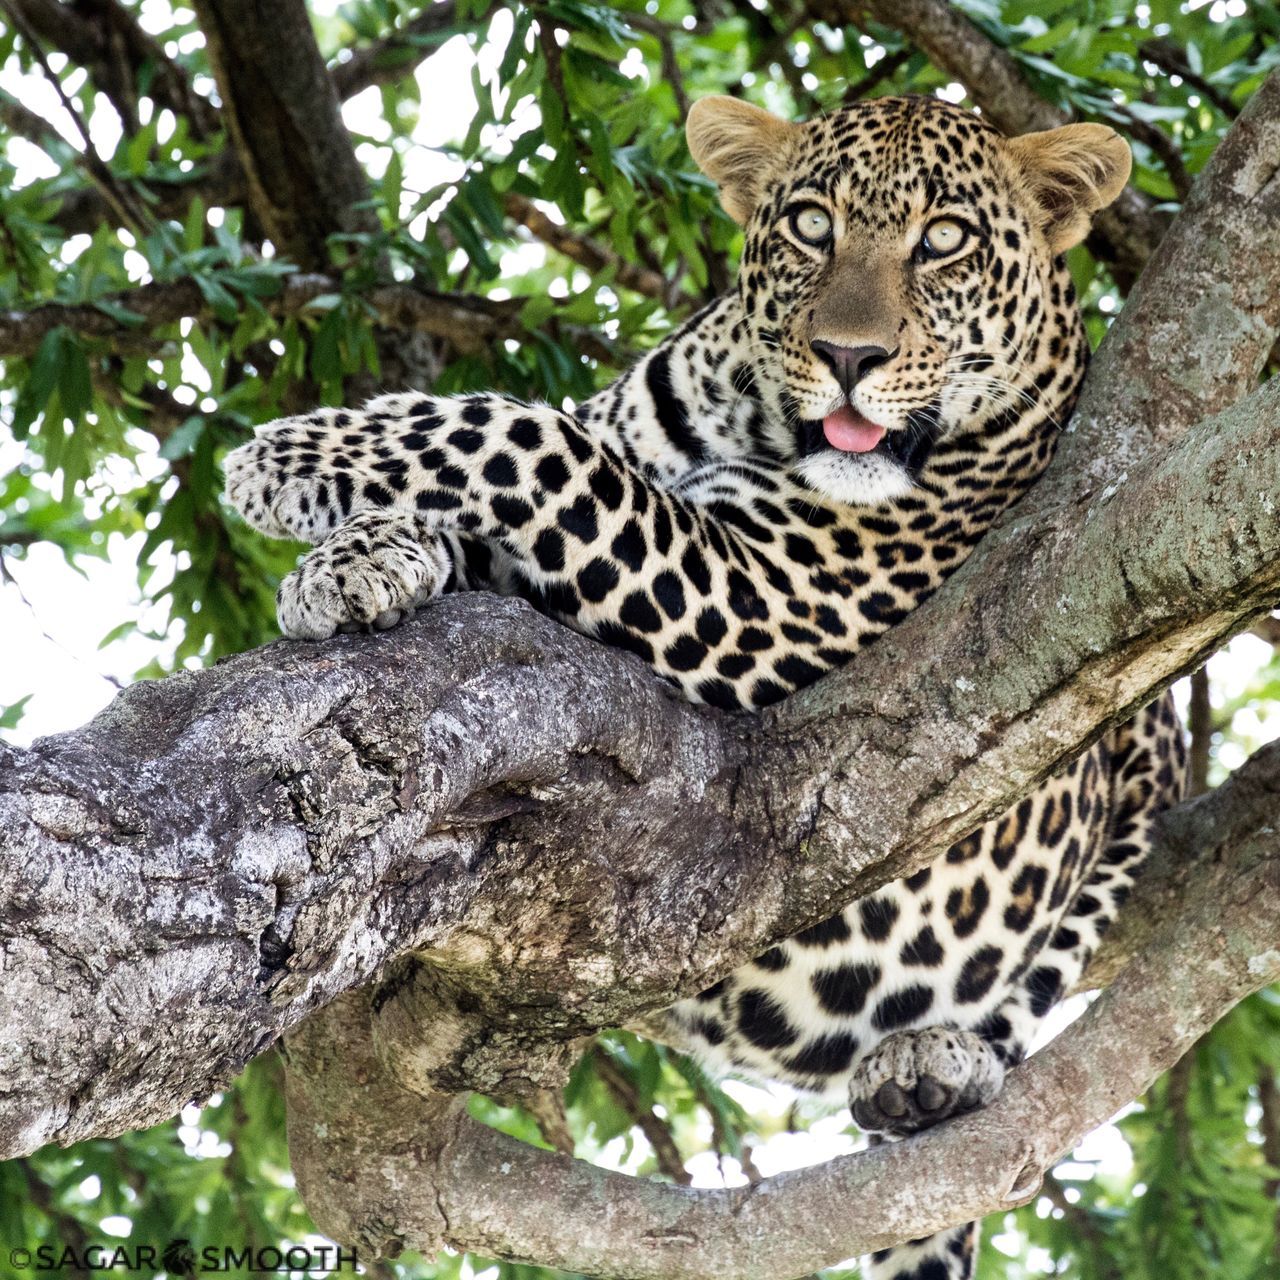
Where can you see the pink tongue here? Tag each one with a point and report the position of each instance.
(848, 430)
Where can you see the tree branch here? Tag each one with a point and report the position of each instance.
(470, 323)
(220, 182)
(665, 1152)
(587, 252)
(1205, 333)
(1169, 58)
(327, 808)
(386, 1170)
(103, 37)
(285, 121)
(222, 854)
(1269, 1126)
(390, 58)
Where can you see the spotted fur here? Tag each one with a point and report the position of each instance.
(695, 513)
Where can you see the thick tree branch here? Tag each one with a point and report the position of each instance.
(471, 324)
(283, 114)
(1209, 307)
(387, 1170)
(265, 835)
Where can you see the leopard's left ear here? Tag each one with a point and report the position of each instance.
(737, 146)
(1070, 174)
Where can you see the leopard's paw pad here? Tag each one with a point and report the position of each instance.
(914, 1079)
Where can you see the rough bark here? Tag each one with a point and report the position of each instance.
(305, 184)
(1209, 308)
(285, 120)
(389, 1170)
(470, 324)
(240, 845)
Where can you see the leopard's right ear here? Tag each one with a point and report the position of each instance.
(737, 146)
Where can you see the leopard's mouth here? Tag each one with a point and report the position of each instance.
(848, 431)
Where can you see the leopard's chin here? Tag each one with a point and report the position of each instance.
(855, 479)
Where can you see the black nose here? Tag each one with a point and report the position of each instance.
(849, 364)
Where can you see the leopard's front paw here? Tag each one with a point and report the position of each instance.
(277, 483)
(373, 571)
(914, 1079)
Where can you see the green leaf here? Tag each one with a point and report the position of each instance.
(119, 313)
(221, 302)
(41, 380)
(12, 714)
(184, 438)
(193, 227)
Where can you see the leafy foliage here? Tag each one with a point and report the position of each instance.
(117, 412)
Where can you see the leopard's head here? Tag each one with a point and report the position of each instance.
(903, 275)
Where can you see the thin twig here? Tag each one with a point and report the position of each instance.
(6, 576)
(67, 1229)
(1267, 629)
(1201, 728)
(656, 1133)
(887, 67)
(470, 323)
(1169, 58)
(585, 250)
(1269, 1124)
(400, 52)
(1086, 1229)
(1168, 151)
(547, 1109)
(130, 213)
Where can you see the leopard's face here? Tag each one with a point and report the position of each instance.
(902, 273)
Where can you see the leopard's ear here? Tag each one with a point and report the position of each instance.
(737, 146)
(1070, 173)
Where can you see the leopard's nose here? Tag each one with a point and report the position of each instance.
(849, 364)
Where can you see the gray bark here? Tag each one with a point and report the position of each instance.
(389, 1170)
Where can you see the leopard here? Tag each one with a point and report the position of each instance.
(759, 497)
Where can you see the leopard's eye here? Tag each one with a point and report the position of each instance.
(944, 237)
(811, 224)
